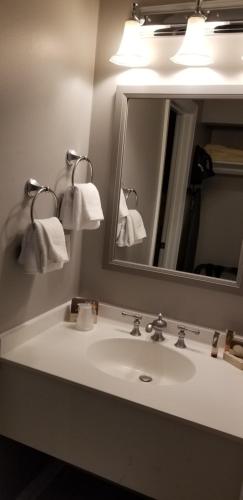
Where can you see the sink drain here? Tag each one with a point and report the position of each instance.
(145, 378)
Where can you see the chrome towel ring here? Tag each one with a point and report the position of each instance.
(128, 192)
(74, 160)
(83, 158)
(42, 190)
(33, 189)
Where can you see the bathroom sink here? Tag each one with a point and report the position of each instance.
(137, 360)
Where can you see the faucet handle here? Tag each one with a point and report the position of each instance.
(136, 316)
(181, 336)
(136, 324)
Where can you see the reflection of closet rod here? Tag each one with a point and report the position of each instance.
(128, 192)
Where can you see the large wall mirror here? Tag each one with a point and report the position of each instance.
(177, 205)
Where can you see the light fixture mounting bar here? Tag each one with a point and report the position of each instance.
(190, 6)
(198, 6)
(171, 19)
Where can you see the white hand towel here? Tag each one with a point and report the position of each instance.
(91, 206)
(131, 230)
(43, 247)
(121, 232)
(81, 208)
(126, 236)
(66, 213)
(54, 240)
(123, 210)
(138, 225)
(29, 256)
(123, 213)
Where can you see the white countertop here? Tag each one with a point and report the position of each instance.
(213, 397)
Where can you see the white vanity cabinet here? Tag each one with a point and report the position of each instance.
(55, 402)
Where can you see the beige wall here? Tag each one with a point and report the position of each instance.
(192, 303)
(46, 66)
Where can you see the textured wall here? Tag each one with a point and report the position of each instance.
(190, 303)
(46, 65)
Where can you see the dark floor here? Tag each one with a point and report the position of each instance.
(73, 484)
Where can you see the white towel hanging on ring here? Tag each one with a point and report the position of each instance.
(43, 248)
(81, 208)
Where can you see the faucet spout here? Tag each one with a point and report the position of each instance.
(157, 325)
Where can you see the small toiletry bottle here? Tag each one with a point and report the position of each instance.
(85, 320)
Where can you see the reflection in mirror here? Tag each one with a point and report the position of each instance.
(181, 196)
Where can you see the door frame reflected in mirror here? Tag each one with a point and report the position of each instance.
(123, 94)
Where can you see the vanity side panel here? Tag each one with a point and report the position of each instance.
(130, 445)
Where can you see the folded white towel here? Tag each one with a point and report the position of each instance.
(121, 232)
(131, 230)
(123, 210)
(81, 208)
(43, 247)
(138, 225)
(80, 218)
(66, 212)
(123, 213)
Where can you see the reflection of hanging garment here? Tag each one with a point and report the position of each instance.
(189, 237)
(202, 169)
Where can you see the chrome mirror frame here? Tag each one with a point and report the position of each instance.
(124, 93)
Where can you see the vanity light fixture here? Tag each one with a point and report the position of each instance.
(178, 19)
(131, 52)
(194, 50)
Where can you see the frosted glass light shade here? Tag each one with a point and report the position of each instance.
(194, 50)
(131, 52)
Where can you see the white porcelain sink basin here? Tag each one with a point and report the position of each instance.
(132, 359)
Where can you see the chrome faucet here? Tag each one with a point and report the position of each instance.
(181, 336)
(135, 332)
(157, 325)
